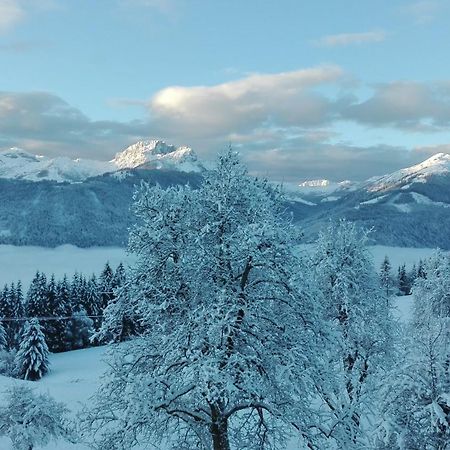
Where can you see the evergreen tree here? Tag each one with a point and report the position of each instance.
(63, 310)
(18, 313)
(76, 291)
(119, 278)
(106, 284)
(36, 303)
(92, 304)
(7, 313)
(79, 329)
(52, 331)
(404, 284)
(120, 320)
(3, 340)
(32, 357)
(386, 277)
(421, 270)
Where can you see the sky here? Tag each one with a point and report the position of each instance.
(336, 89)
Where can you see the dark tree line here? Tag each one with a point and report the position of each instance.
(69, 312)
(402, 283)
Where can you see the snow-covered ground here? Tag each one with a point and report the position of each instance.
(73, 379)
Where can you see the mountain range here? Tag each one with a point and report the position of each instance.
(49, 202)
(18, 164)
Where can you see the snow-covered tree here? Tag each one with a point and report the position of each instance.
(63, 311)
(360, 333)
(386, 277)
(92, 304)
(79, 329)
(7, 313)
(230, 324)
(3, 341)
(403, 280)
(36, 303)
(418, 403)
(18, 313)
(32, 420)
(120, 320)
(32, 357)
(106, 284)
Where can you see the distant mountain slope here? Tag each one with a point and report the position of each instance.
(95, 212)
(410, 207)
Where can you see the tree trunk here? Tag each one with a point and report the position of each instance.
(219, 430)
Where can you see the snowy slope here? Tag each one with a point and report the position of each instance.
(19, 164)
(438, 164)
(73, 378)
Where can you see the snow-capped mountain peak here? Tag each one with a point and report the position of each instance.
(322, 186)
(315, 183)
(438, 164)
(157, 154)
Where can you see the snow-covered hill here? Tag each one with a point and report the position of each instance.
(16, 163)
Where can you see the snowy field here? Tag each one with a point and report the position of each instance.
(73, 378)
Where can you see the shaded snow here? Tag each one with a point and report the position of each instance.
(73, 378)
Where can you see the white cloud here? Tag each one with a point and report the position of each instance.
(423, 11)
(344, 39)
(282, 99)
(404, 104)
(11, 13)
